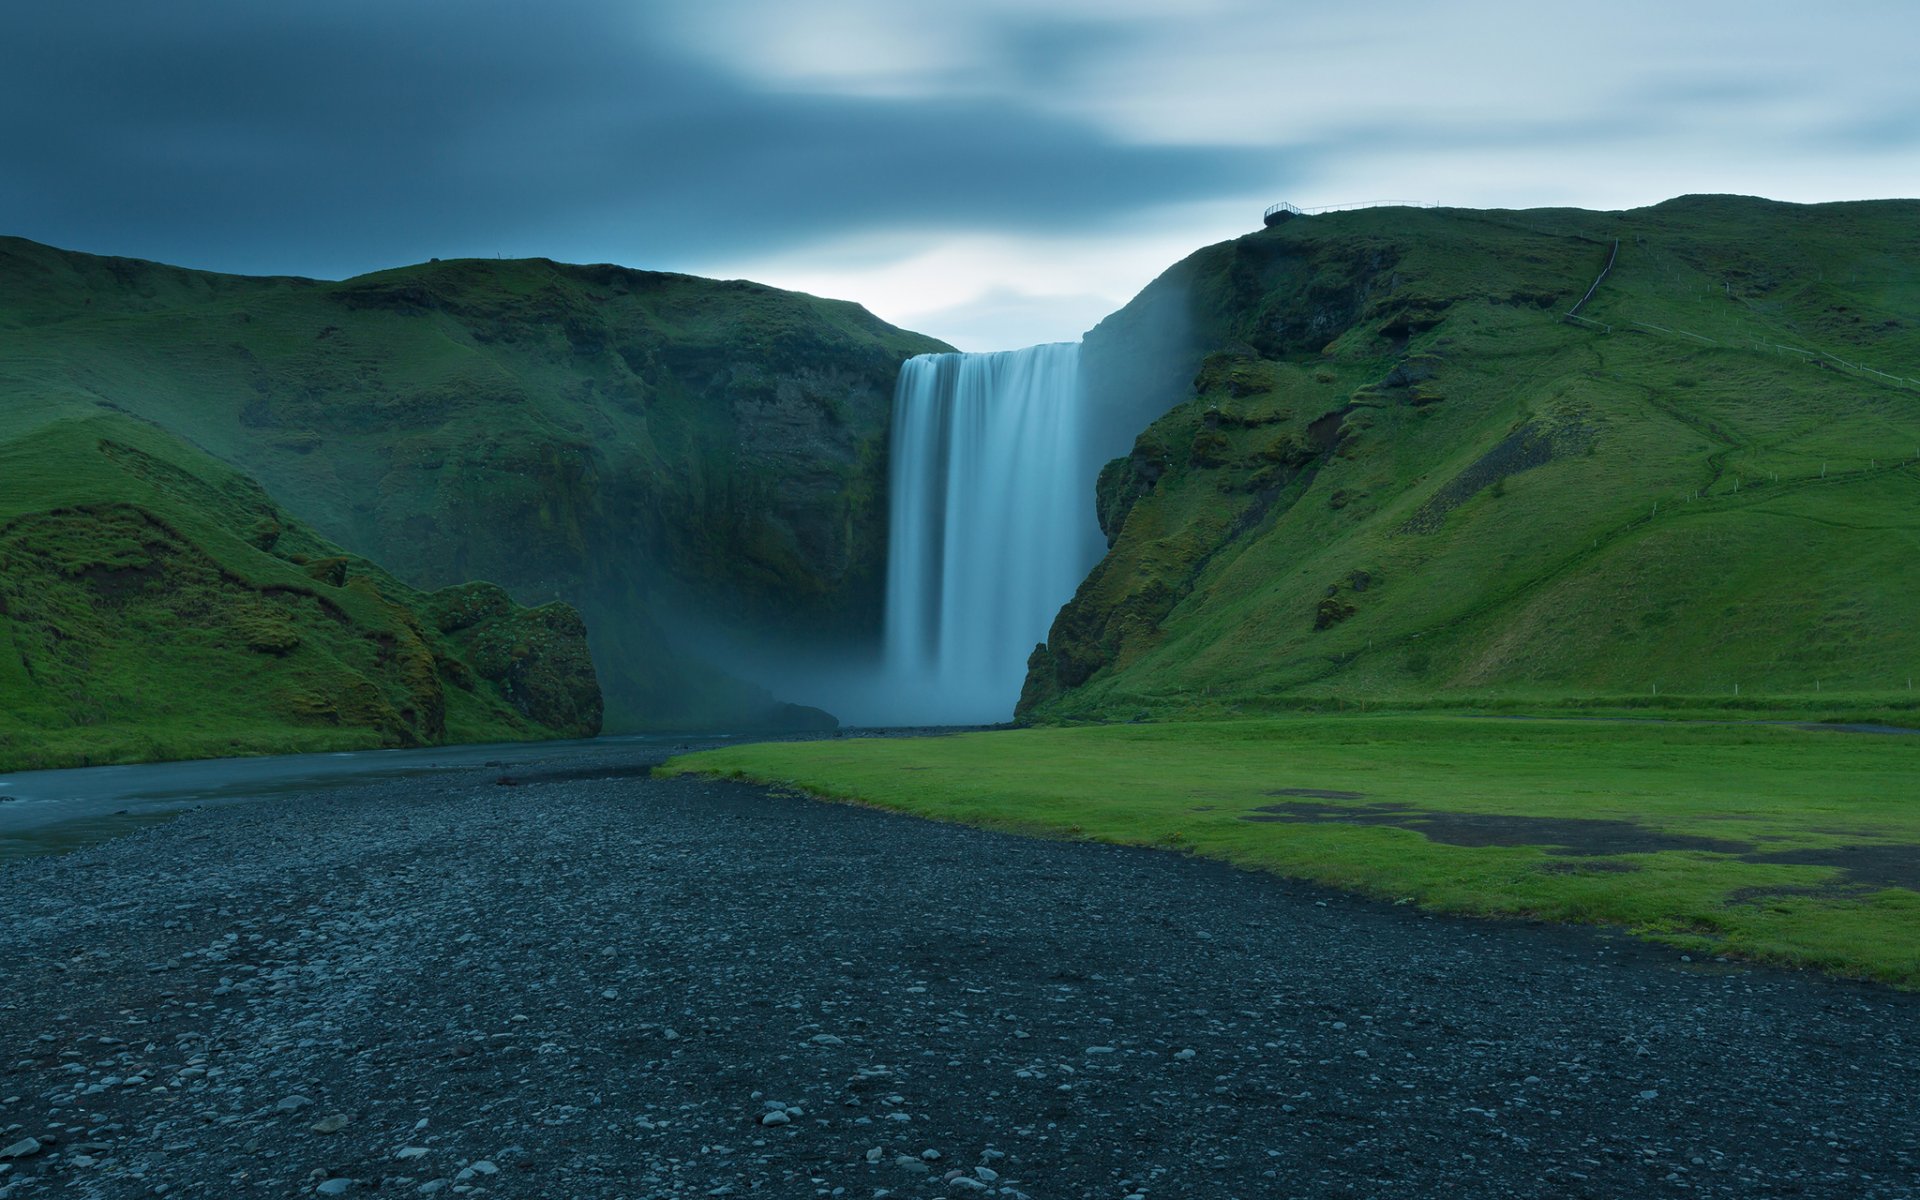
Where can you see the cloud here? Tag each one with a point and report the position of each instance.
(985, 163)
(1257, 72)
(342, 138)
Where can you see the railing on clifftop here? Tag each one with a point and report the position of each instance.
(1286, 212)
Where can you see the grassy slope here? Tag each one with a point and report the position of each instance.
(154, 603)
(1763, 791)
(1403, 479)
(631, 442)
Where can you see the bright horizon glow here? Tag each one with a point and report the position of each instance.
(981, 292)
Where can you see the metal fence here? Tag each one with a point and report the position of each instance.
(1296, 211)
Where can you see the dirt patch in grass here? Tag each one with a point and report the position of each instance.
(1831, 890)
(1878, 866)
(1582, 836)
(1533, 445)
(1598, 866)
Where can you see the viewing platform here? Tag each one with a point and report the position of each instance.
(1287, 212)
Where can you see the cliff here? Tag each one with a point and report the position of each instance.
(1386, 470)
(678, 458)
(155, 603)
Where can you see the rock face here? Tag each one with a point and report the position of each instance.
(1374, 463)
(673, 456)
(154, 603)
(535, 657)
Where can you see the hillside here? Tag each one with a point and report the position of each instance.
(668, 454)
(1393, 473)
(155, 603)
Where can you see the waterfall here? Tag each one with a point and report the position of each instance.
(992, 526)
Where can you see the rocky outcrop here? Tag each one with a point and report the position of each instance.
(536, 658)
(156, 604)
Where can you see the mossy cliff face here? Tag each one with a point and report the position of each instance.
(641, 445)
(536, 658)
(1379, 466)
(154, 603)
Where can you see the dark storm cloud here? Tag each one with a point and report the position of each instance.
(337, 138)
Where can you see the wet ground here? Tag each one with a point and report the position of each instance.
(553, 976)
(1863, 867)
(52, 811)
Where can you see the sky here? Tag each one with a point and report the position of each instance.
(996, 173)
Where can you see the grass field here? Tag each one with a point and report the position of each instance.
(1774, 843)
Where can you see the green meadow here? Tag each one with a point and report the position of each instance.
(1774, 843)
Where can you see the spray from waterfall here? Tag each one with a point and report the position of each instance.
(992, 526)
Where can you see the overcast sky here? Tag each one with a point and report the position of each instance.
(993, 172)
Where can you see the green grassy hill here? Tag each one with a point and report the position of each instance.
(1399, 476)
(644, 446)
(155, 603)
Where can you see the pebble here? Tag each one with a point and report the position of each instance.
(391, 951)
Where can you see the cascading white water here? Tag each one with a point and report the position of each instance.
(992, 526)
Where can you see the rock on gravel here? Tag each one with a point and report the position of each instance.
(595, 985)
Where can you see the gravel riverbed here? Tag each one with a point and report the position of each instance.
(589, 983)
